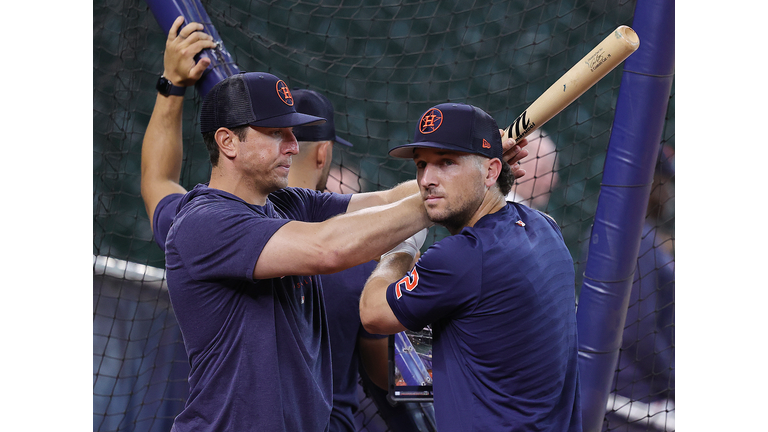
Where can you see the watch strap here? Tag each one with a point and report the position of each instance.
(166, 88)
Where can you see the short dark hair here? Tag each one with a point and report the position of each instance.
(506, 179)
(209, 138)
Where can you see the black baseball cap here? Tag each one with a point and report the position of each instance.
(251, 98)
(457, 127)
(313, 103)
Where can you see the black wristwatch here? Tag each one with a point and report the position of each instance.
(166, 88)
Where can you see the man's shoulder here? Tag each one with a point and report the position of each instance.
(200, 211)
(530, 215)
(455, 251)
(301, 195)
(207, 204)
(292, 197)
(524, 210)
(308, 205)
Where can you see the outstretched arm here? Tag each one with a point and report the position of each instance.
(161, 150)
(344, 241)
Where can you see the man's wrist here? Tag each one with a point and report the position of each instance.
(165, 87)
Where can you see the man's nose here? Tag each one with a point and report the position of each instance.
(428, 176)
(290, 143)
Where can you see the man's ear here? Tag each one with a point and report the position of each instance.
(324, 153)
(225, 138)
(492, 172)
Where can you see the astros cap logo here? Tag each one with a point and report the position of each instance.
(284, 92)
(430, 121)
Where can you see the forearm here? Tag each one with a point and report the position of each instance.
(300, 248)
(375, 313)
(161, 152)
(370, 199)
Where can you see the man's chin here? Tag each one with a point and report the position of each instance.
(279, 183)
(454, 222)
(435, 216)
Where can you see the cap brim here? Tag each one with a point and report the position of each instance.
(342, 141)
(406, 150)
(289, 120)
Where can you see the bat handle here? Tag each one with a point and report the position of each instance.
(521, 127)
(508, 133)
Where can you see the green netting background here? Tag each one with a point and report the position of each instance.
(382, 63)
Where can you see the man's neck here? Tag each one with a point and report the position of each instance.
(237, 185)
(493, 201)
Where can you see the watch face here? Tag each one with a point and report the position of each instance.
(163, 86)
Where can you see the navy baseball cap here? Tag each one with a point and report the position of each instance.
(251, 98)
(457, 127)
(313, 103)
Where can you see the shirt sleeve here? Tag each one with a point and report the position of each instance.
(444, 283)
(163, 217)
(222, 241)
(309, 205)
(330, 204)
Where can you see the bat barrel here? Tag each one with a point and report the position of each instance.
(611, 52)
(629, 36)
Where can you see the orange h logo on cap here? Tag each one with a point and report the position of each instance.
(284, 92)
(430, 121)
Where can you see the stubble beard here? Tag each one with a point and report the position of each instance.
(454, 219)
(269, 182)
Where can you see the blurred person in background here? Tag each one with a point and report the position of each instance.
(535, 188)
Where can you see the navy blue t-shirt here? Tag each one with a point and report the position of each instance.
(163, 218)
(341, 292)
(501, 301)
(259, 350)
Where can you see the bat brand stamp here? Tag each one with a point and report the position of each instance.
(522, 125)
(595, 60)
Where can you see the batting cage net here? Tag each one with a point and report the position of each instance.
(382, 64)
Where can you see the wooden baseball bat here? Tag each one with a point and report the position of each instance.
(613, 50)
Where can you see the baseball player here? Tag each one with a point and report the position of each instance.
(242, 255)
(498, 292)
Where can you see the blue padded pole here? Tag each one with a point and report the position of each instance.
(222, 65)
(628, 174)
